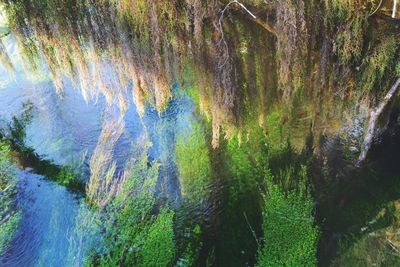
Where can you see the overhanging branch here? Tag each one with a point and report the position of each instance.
(373, 121)
(259, 21)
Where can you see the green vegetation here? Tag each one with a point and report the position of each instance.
(134, 234)
(290, 232)
(265, 101)
(194, 165)
(159, 246)
(7, 230)
(9, 214)
(381, 63)
(23, 156)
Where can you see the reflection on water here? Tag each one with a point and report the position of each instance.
(66, 129)
(106, 85)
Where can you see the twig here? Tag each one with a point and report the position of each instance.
(251, 229)
(259, 21)
(5, 189)
(376, 9)
(393, 246)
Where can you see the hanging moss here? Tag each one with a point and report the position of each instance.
(380, 63)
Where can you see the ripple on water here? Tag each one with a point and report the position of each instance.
(50, 232)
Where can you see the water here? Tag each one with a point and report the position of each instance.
(226, 200)
(66, 131)
(50, 231)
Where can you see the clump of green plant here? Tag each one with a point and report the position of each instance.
(7, 230)
(136, 234)
(194, 165)
(398, 68)
(350, 39)
(277, 130)
(159, 246)
(9, 214)
(290, 234)
(68, 178)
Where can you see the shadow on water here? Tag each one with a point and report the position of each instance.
(354, 203)
(26, 157)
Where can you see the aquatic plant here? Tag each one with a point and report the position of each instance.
(194, 164)
(266, 76)
(380, 64)
(136, 235)
(102, 183)
(159, 247)
(8, 227)
(290, 233)
(9, 213)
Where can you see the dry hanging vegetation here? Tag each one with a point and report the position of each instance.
(241, 56)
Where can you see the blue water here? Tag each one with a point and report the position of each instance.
(56, 228)
(50, 232)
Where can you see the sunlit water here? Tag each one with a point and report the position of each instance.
(66, 130)
(51, 232)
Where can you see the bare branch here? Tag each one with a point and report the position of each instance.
(394, 9)
(259, 21)
(372, 125)
(376, 9)
(251, 229)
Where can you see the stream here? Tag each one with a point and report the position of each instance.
(65, 130)
(51, 232)
(198, 133)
